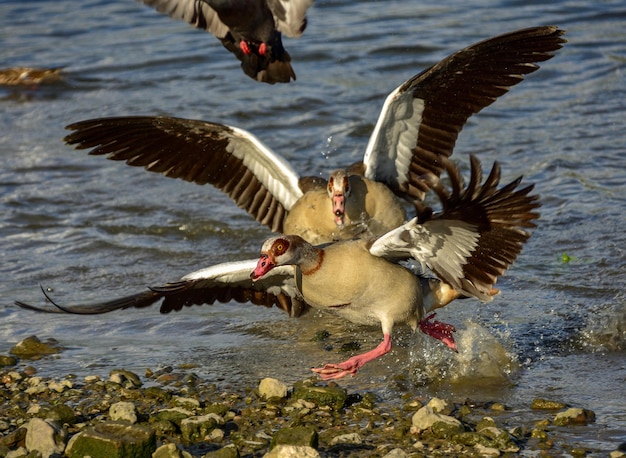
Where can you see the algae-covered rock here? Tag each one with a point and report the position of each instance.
(574, 416)
(195, 429)
(546, 404)
(113, 440)
(175, 415)
(229, 451)
(350, 438)
(7, 361)
(332, 396)
(170, 451)
(32, 347)
(297, 435)
(60, 412)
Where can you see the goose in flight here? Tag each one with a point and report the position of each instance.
(468, 245)
(417, 127)
(250, 29)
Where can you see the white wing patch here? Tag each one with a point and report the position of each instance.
(278, 177)
(295, 13)
(390, 147)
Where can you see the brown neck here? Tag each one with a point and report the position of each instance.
(311, 259)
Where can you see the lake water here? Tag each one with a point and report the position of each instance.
(91, 229)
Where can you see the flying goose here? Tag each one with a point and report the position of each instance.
(468, 245)
(250, 29)
(418, 125)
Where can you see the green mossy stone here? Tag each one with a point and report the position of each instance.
(297, 435)
(332, 396)
(113, 440)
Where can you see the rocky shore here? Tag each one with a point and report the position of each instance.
(172, 413)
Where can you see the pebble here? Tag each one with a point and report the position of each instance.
(196, 420)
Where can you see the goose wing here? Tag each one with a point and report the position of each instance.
(477, 235)
(421, 119)
(195, 12)
(231, 159)
(290, 15)
(220, 283)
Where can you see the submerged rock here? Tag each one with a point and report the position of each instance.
(32, 347)
(574, 416)
(545, 404)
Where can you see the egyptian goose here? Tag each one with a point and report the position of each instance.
(29, 76)
(478, 234)
(250, 29)
(418, 124)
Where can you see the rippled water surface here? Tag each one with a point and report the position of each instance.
(90, 229)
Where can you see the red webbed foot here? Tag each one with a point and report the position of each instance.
(438, 330)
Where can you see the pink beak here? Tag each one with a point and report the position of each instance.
(263, 266)
(339, 208)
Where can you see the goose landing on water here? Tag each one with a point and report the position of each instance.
(418, 125)
(476, 237)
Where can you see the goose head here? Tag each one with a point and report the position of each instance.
(339, 191)
(278, 251)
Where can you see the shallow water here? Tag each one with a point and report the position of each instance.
(91, 229)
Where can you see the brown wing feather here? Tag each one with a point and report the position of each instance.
(194, 151)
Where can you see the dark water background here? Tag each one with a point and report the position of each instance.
(91, 229)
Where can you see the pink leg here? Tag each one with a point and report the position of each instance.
(438, 330)
(350, 366)
(244, 47)
(262, 49)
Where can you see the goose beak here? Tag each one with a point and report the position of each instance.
(263, 266)
(339, 208)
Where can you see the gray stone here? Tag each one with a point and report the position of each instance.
(125, 378)
(113, 440)
(123, 411)
(396, 453)
(426, 418)
(170, 451)
(46, 437)
(272, 388)
(351, 438)
(292, 451)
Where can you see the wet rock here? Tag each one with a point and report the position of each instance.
(159, 394)
(425, 418)
(272, 388)
(61, 413)
(574, 416)
(195, 429)
(292, 451)
(545, 404)
(396, 453)
(21, 452)
(126, 379)
(45, 437)
(186, 402)
(32, 347)
(7, 361)
(332, 396)
(230, 451)
(170, 451)
(297, 435)
(486, 451)
(15, 438)
(440, 406)
(113, 440)
(175, 415)
(351, 438)
(123, 411)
